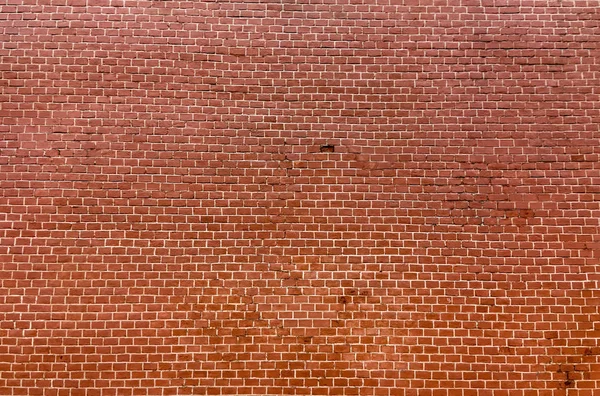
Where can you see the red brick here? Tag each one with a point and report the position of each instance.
(253, 197)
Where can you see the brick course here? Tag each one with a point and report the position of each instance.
(309, 197)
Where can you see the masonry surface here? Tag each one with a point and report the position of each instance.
(308, 197)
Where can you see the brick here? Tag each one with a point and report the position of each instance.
(321, 197)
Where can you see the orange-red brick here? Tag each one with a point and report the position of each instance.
(258, 197)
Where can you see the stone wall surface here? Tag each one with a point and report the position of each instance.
(300, 197)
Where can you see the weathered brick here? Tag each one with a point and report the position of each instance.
(310, 198)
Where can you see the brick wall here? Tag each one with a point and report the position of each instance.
(308, 197)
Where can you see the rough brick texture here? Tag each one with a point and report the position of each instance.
(299, 197)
